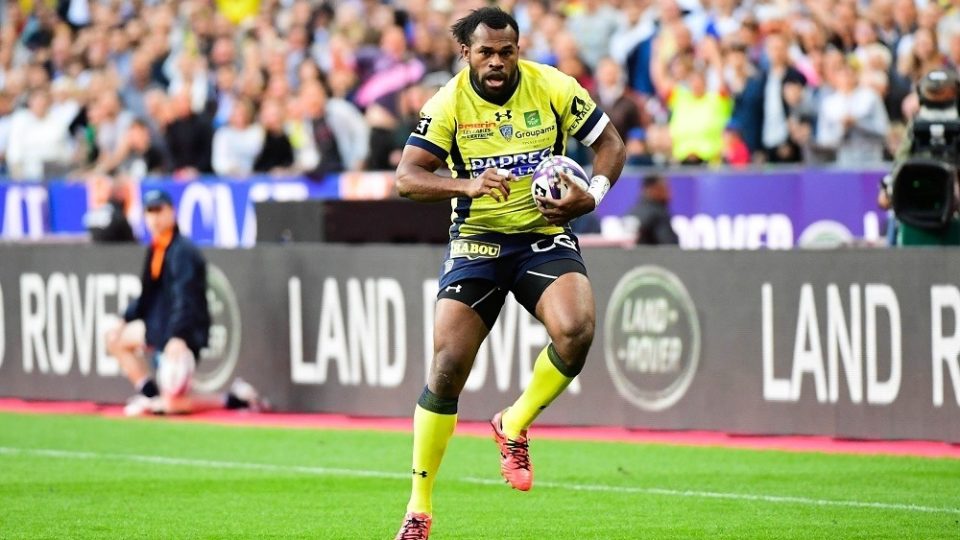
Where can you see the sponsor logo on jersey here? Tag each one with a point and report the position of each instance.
(423, 125)
(507, 131)
(475, 131)
(521, 164)
(579, 108)
(535, 132)
(474, 249)
(503, 115)
(531, 118)
(651, 338)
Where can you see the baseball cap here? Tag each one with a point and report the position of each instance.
(155, 198)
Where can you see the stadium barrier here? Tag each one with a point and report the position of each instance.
(850, 343)
(713, 209)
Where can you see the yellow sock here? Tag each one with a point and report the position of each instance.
(431, 432)
(547, 383)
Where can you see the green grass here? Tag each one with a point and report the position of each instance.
(98, 491)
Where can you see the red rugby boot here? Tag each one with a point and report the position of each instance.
(416, 526)
(515, 463)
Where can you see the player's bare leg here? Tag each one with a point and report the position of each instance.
(458, 333)
(567, 310)
(126, 342)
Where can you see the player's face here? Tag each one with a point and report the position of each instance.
(492, 56)
(160, 220)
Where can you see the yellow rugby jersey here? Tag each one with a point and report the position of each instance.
(473, 134)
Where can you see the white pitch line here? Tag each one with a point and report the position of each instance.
(359, 473)
(202, 463)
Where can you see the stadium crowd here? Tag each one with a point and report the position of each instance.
(238, 87)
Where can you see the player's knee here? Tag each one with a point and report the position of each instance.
(573, 338)
(449, 373)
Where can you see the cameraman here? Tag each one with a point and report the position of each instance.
(938, 93)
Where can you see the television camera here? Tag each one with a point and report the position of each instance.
(924, 190)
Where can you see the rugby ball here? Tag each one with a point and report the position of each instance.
(174, 375)
(546, 180)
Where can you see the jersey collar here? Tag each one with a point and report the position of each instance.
(506, 97)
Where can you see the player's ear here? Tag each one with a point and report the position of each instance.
(465, 52)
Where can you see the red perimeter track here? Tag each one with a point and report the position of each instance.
(795, 443)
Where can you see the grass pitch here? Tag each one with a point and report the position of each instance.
(66, 477)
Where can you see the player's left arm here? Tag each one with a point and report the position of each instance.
(583, 120)
(607, 166)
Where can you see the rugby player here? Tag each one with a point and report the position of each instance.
(492, 124)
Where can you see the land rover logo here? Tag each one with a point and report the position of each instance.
(219, 358)
(651, 338)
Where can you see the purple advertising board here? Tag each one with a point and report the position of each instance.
(776, 209)
(712, 209)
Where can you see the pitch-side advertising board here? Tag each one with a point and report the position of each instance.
(859, 343)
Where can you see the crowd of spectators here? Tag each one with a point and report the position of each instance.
(297, 87)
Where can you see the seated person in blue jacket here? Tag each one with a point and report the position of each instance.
(167, 326)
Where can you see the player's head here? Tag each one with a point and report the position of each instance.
(489, 43)
(160, 217)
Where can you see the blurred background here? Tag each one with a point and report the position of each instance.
(773, 121)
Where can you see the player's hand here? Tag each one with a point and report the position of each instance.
(175, 348)
(493, 182)
(574, 204)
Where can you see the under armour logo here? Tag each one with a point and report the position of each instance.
(503, 115)
(455, 289)
(421, 474)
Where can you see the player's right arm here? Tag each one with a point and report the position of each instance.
(416, 179)
(428, 147)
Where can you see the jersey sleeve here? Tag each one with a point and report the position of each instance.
(579, 115)
(434, 131)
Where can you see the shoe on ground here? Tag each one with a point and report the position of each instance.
(141, 405)
(416, 526)
(515, 465)
(245, 391)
